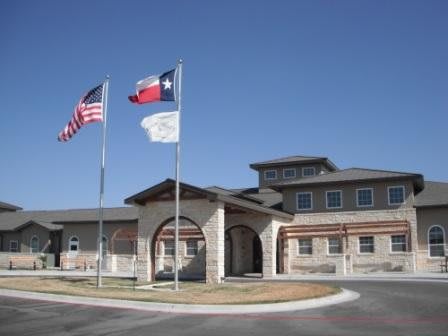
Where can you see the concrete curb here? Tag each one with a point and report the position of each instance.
(344, 296)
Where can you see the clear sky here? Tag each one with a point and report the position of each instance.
(364, 83)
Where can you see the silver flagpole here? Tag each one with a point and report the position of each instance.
(100, 210)
(176, 234)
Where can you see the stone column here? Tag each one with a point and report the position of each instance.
(214, 235)
(269, 244)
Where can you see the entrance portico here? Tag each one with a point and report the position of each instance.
(213, 211)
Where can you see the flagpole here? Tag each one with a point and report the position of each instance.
(176, 234)
(100, 210)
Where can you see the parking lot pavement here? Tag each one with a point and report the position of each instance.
(384, 308)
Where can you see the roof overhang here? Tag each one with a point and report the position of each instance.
(164, 190)
(323, 160)
(47, 226)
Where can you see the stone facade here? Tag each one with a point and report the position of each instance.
(207, 215)
(351, 260)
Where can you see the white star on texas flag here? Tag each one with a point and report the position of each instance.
(167, 84)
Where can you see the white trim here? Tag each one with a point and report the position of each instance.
(359, 245)
(38, 244)
(364, 206)
(297, 200)
(444, 241)
(270, 171)
(326, 199)
(303, 171)
(405, 243)
(17, 247)
(388, 195)
(69, 244)
(289, 177)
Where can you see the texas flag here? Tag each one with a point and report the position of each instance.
(155, 88)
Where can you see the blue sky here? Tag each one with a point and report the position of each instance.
(364, 83)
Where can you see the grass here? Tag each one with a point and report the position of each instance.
(190, 292)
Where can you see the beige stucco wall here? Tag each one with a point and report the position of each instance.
(279, 169)
(380, 195)
(35, 230)
(426, 218)
(87, 234)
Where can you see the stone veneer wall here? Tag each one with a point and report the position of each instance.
(381, 260)
(266, 226)
(208, 215)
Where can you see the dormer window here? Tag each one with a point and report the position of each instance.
(308, 171)
(270, 175)
(289, 173)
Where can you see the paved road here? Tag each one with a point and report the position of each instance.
(385, 308)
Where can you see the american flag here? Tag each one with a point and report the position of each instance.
(88, 110)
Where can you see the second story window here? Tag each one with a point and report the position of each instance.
(289, 173)
(364, 197)
(396, 195)
(270, 175)
(304, 201)
(334, 199)
(308, 171)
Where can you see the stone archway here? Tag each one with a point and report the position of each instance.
(191, 254)
(243, 251)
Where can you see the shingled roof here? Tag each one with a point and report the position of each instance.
(10, 221)
(353, 175)
(435, 194)
(9, 207)
(297, 159)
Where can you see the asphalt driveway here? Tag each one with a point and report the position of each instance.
(385, 308)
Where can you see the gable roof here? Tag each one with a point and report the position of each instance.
(353, 175)
(297, 159)
(212, 193)
(435, 194)
(9, 207)
(10, 221)
(48, 226)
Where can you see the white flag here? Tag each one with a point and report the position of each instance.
(162, 127)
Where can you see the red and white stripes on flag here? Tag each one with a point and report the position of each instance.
(88, 110)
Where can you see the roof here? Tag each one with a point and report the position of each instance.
(10, 221)
(48, 226)
(213, 193)
(435, 194)
(353, 175)
(297, 159)
(268, 197)
(9, 207)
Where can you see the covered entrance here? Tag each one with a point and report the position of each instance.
(243, 252)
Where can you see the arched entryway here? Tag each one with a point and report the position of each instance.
(243, 252)
(191, 254)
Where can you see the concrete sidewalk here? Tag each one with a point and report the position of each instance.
(344, 296)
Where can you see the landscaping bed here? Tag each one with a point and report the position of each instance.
(190, 292)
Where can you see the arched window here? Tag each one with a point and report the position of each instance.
(436, 241)
(73, 244)
(34, 244)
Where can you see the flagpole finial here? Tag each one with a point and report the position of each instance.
(107, 77)
(180, 61)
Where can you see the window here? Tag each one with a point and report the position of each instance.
(334, 199)
(169, 247)
(289, 173)
(270, 175)
(364, 197)
(396, 195)
(305, 246)
(304, 200)
(34, 245)
(398, 243)
(105, 246)
(73, 244)
(436, 242)
(13, 246)
(192, 247)
(308, 171)
(366, 245)
(334, 246)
